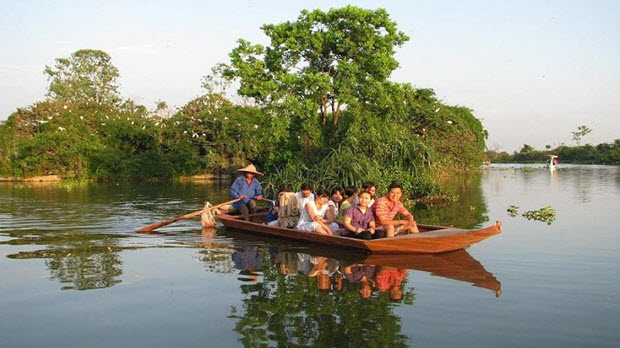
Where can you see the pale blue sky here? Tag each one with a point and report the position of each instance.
(532, 70)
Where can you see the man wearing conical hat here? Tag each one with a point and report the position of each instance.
(248, 189)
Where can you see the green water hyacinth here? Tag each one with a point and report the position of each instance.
(512, 210)
(546, 214)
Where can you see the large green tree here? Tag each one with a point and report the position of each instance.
(86, 76)
(322, 63)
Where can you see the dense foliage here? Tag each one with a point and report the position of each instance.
(326, 77)
(81, 141)
(320, 108)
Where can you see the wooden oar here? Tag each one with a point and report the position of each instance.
(157, 225)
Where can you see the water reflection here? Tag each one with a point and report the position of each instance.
(301, 299)
(295, 295)
(469, 211)
(81, 261)
(104, 207)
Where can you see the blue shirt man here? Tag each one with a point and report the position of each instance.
(248, 189)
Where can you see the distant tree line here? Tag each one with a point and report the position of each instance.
(604, 153)
(317, 105)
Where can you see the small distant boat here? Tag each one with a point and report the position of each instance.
(431, 239)
(552, 162)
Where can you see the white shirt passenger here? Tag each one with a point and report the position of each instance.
(303, 200)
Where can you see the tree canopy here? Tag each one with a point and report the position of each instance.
(86, 76)
(324, 61)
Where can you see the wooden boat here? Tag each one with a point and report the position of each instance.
(431, 239)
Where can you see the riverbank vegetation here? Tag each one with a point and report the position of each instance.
(317, 105)
(604, 153)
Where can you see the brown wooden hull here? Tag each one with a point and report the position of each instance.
(457, 265)
(430, 240)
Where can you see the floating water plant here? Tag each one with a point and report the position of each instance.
(546, 214)
(512, 210)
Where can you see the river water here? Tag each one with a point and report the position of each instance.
(74, 274)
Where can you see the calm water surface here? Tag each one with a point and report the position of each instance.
(73, 273)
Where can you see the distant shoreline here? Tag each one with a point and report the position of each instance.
(57, 178)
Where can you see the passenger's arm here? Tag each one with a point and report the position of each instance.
(310, 211)
(331, 214)
(258, 192)
(349, 226)
(385, 221)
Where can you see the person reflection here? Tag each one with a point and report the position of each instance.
(287, 262)
(327, 271)
(362, 274)
(391, 279)
(316, 267)
(248, 260)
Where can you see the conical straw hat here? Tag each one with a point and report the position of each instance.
(250, 169)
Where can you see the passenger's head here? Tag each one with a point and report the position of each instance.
(321, 196)
(350, 191)
(336, 195)
(370, 187)
(306, 189)
(364, 198)
(395, 192)
(365, 290)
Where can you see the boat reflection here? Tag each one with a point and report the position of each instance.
(457, 265)
(383, 273)
(295, 295)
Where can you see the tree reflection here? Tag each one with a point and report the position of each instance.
(468, 211)
(83, 261)
(329, 297)
(289, 308)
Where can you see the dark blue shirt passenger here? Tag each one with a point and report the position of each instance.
(240, 187)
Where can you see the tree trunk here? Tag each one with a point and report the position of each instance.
(335, 113)
(324, 110)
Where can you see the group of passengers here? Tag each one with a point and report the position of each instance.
(347, 212)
